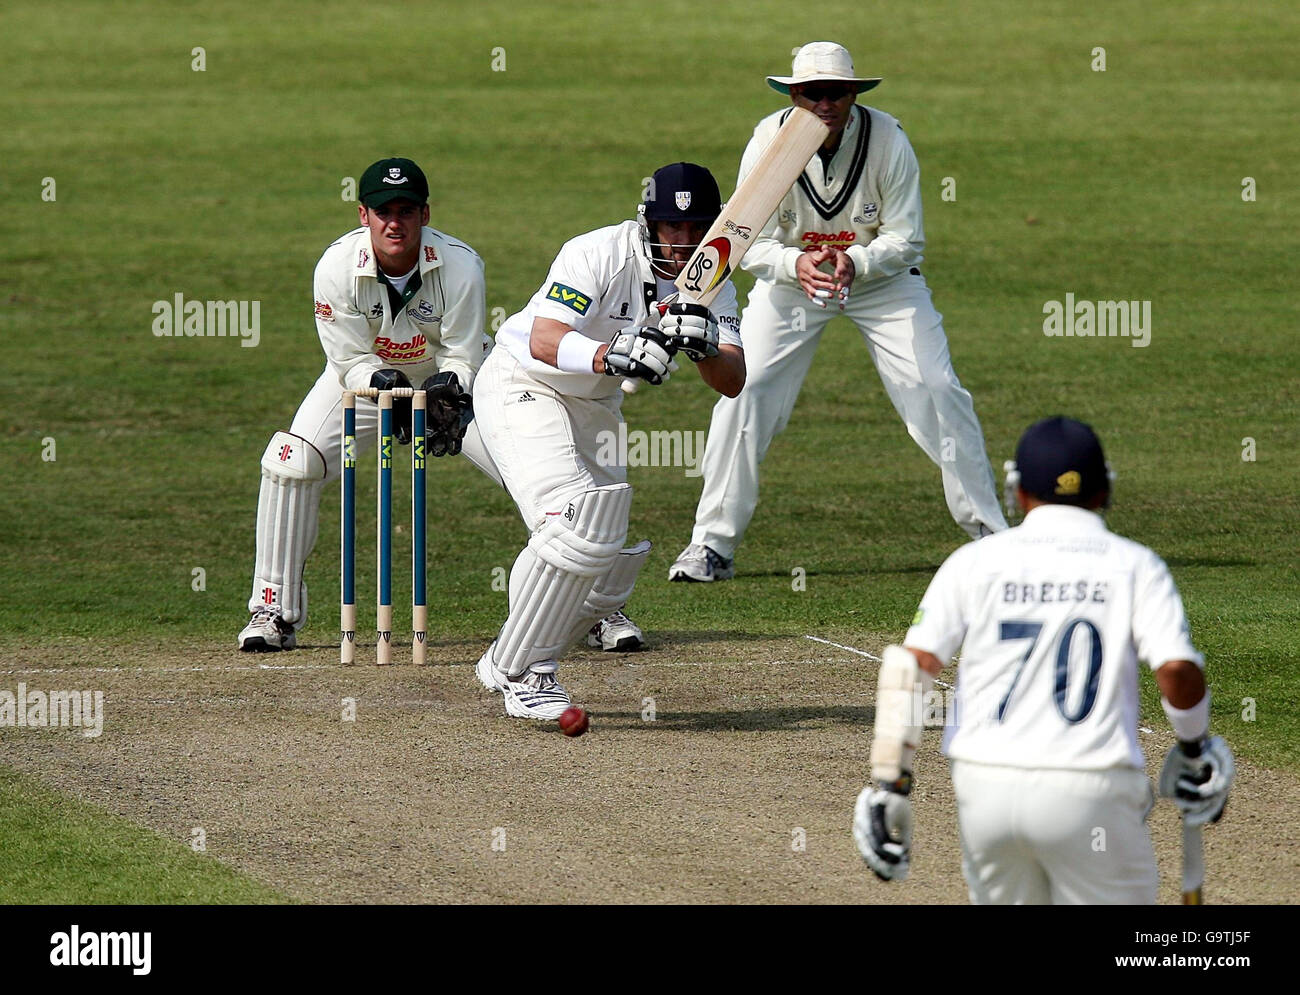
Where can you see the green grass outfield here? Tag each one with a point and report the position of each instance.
(57, 852)
(225, 184)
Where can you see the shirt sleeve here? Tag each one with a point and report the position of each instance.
(940, 624)
(726, 309)
(460, 346)
(769, 258)
(571, 290)
(344, 331)
(1160, 629)
(900, 241)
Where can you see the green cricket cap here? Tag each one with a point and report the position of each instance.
(389, 179)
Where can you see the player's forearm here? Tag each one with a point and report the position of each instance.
(899, 243)
(549, 342)
(461, 347)
(544, 340)
(1181, 683)
(888, 254)
(462, 354)
(725, 372)
(928, 662)
(453, 363)
(771, 260)
(348, 355)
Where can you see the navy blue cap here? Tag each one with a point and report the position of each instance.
(683, 191)
(1060, 461)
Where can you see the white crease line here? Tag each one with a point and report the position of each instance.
(701, 664)
(170, 670)
(248, 702)
(869, 656)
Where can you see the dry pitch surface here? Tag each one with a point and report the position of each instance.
(739, 790)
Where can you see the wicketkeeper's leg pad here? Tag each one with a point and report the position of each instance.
(288, 513)
(554, 575)
(900, 701)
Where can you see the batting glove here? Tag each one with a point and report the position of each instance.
(1197, 777)
(692, 329)
(639, 352)
(389, 380)
(882, 828)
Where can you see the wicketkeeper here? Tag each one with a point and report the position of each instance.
(397, 304)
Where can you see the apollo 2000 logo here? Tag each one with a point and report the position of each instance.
(711, 266)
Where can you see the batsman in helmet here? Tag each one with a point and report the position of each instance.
(547, 402)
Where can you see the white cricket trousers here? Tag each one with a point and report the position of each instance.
(1055, 837)
(546, 445)
(904, 335)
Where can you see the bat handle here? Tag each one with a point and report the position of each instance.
(631, 384)
(1193, 864)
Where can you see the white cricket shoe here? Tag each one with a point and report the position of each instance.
(616, 633)
(266, 632)
(536, 694)
(486, 672)
(702, 563)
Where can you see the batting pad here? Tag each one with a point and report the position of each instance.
(900, 708)
(612, 588)
(555, 573)
(288, 512)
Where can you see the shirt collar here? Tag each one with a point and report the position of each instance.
(1052, 517)
(431, 250)
(431, 253)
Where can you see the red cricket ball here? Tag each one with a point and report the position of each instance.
(573, 721)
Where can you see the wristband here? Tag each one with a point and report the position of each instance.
(1190, 724)
(576, 353)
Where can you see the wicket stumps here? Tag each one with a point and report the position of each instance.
(384, 521)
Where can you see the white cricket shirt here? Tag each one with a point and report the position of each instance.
(867, 201)
(600, 283)
(1052, 618)
(440, 326)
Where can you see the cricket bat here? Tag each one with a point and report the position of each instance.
(745, 214)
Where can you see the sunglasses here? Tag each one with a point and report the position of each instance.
(819, 93)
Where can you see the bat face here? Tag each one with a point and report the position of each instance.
(731, 235)
(708, 267)
(743, 216)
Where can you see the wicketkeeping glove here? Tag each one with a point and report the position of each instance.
(692, 329)
(1197, 777)
(389, 380)
(882, 828)
(450, 410)
(643, 353)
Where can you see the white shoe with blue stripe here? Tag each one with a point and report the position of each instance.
(535, 694)
(486, 672)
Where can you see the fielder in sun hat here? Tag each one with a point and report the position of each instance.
(822, 62)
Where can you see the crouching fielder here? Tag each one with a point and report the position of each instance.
(397, 304)
(547, 396)
(1052, 618)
